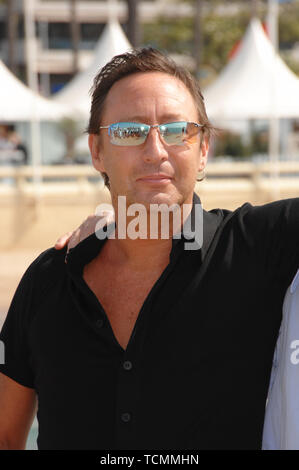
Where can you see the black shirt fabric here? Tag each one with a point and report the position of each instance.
(196, 370)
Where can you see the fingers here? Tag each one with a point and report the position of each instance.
(75, 238)
(105, 218)
(62, 241)
(89, 226)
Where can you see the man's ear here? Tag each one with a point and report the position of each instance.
(95, 151)
(204, 150)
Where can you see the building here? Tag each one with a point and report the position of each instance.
(54, 38)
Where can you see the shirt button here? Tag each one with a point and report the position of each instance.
(127, 365)
(100, 323)
(125, 417)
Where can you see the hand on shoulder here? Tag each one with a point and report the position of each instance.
(88, 226)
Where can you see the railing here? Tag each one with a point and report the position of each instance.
(49, 179)
(85, 177)
(34, 214)
(251, 169)
(57, 172)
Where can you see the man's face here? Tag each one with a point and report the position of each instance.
(149, 98)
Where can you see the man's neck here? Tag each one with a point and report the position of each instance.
(138, 254)
(144, 239)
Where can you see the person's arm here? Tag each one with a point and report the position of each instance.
(281, 426)
(17, 377)
(271, 234)
(17, 410)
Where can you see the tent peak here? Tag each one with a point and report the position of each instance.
(112, 42)
(255, 83)
(20, 103)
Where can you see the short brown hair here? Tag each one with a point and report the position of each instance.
(145, 59)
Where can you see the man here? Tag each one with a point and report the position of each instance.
(11, 148)
(281, 427)
(142, 343)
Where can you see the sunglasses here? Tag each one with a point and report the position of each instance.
(135, 133)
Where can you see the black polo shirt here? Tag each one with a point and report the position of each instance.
(196, 369)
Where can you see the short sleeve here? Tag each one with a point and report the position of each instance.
(14, 333)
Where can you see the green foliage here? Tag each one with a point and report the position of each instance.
(174, 36)
(220, 32)
(232, 145)
(220, 35)
(289, 23)
(291, 63)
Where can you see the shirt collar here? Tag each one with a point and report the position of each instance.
(89, 248)
(185, 234)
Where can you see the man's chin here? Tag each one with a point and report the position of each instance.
(148, 198)
(158, 198)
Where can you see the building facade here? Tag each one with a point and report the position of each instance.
(54, 42)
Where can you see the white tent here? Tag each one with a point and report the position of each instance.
(256, 83)
(19, 103)
(76, 93)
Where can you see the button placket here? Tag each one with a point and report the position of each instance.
(126, 417)
(99, 323)
(127, 365)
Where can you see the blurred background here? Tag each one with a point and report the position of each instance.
(245, 54)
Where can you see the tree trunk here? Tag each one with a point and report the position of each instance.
(133, 23)
(12, 20)
(75, 33)
(198, 40)
(254, 8)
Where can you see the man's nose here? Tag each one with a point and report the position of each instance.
(154, 148)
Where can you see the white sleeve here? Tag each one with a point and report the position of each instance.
(281, 426)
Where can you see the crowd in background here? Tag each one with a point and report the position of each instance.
(12, 150)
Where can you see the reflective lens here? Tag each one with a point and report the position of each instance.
(174, 132)
(128, 133)
(134, 133)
